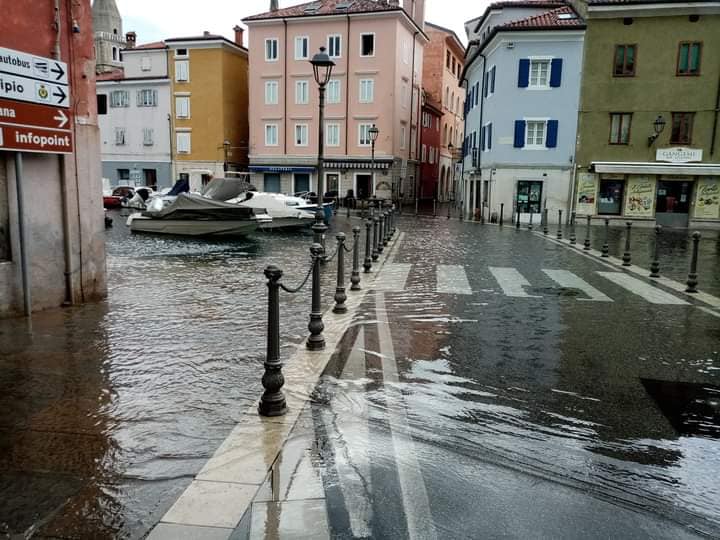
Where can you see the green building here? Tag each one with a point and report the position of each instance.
(648, 145)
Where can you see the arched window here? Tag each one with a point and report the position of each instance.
(445, 135)
(451, 140)
(447, 96)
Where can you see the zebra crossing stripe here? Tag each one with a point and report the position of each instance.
(511, 282)
(644, 290)
(568, 280)
(392, 277)
(452, 279)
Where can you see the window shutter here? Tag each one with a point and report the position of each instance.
(489, 137)
(139, 98)
(482, 139)
(492, 80)
(524, 73)
(485, 83)
(552, 133)
(519, 134)
(556, 72)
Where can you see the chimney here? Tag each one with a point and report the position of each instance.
(273, 5)
(130, 39)
(206, 33)
(239, 32)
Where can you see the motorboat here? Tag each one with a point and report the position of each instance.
(284, 215)
(138, 200)
(305, 200)
(196, 215)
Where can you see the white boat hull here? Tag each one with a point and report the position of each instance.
(286, 223)
(196, 227)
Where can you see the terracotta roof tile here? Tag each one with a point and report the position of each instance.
(116, 74)
(153, 45)
(556, 18)
(326, 7)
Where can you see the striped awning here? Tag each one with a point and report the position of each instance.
(381, 165)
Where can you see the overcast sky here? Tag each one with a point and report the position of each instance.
(154, 20)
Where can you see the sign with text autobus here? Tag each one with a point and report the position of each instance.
(36, 79)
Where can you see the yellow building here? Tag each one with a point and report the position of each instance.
(209, 105)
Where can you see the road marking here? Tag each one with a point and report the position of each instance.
(511, 281)
(452, 279)
(567, 279)
(392, 277)
(644, 290)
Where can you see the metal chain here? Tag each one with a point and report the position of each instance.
(331, 257)
(299, 288)
(347, 249)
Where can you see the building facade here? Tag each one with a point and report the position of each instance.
(134, 107)
(648, 147)
(209, 106)
(430, 146)
(377, 48)
(109, 37)
(523, 81)
(443, 65)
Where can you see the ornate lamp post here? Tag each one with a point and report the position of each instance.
(658, 126)
(373, 132)
(322, 70)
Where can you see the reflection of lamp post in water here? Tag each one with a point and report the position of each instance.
(373, 132)
(322, 70)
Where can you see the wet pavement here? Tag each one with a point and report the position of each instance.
(464, 401)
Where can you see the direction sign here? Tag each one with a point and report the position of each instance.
(34, 91)
(29, 139)
(29, 114)
(33, 67)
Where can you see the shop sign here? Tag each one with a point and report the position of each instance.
(707, 198)
(640, 196)
(679, 154)
(586, 194)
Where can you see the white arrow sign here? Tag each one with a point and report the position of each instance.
(61, 118)
(22, 89)
(35, 67)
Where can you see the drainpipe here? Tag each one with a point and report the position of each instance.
(65, 210)
(715, 121)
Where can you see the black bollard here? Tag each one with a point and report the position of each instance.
(530, 225)
(559, 231)
(319, 229)
(692, 280)
(385, 228)
(517, 217)
(376, 226)
(381, 232)
(417, 202)
(272, 402)
(545, 222)
(340, 295)
(449, 209)
(434, 208)
(586, 245)
(655, 265)
(348, 207)
(316, 341)
(606, 246)
(355, 275)
(626, 256)
(502, 210)
(573, 236)
(367, 263)
(388, 227)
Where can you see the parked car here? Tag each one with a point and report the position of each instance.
(115, 198)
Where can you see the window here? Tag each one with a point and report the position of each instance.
(689, 58)
(148, 136)
(145, 63)
(271, 92)
(423, 153)
(682, 123)
(611, 197)
(302, 46)
(447, 59)
(367, 44)
(491, 81)
(620, 128)
(271, 50)
(301, 134)
(403, 136)
(529, 196)
(102, 103)
(147, 98)
(447, 96)
(182, 71)
(302, 89)
(539, 73)
(119, 98)
(333, 91)
(182, 107)
(181, 53)
(271, 135)
(367, 90)
(183, 143)
(332, 134)
(535, 133)
(403, 95)
(119, 136)
(364, 134)
(624, 65)
(123, 174)
(114, 53)
(334, 46)
(332, 181)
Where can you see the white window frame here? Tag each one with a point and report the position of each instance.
(535, 146)
(487, 143)
(178, 55)
(303, 83)
(272, 91)
(330, 49)
(145, 93)
(331, 97)
(146, 63)
(179, 108)
(364, 127)
(120, 136)
(537, 60)
(374, 44)
(268, 129)
(298, 40)
(362, 96)
(119, 98)
(277, 49)
(182, 147)
(148, 137)
(403, 137)
(331, 127)
(300, 130)
(178, 70)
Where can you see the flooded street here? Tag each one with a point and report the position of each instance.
(471, 373)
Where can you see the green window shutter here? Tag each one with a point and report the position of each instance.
(683, 60)
(695, 58)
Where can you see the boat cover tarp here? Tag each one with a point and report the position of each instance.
(223, 189)
(193, 206)
(181, 186)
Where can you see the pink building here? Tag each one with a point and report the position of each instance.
(377, 47)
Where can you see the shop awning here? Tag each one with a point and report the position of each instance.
(357, 164)
(281, 169)
(635, 167)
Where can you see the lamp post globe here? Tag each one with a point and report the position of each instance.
(659, 124)
(322, 66)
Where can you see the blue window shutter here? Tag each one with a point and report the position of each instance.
(489, 137)
(477, 92)
(556, 72)
(482, 138)
(552, 133)
(485, 84)
(524, 73)
(519, 134)
(492, 80)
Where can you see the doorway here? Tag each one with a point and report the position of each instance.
(672, 205)
(529, 197)
(271, 183)
(302, 183)
(150, 176)
(364, 185)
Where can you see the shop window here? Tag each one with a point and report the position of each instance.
(682, 123)
(688, 62)
(625, 58)
(611, 197)
(529, 197)
(333, 182)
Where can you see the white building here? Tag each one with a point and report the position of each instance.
(134, 118)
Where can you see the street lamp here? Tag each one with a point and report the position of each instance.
(322, 70)
(373, 132)
(658, 126)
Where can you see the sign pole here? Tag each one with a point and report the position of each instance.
(24, 266)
